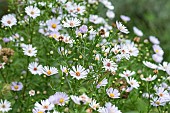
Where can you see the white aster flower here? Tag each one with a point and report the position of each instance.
(121, 27)
(127, 73)
(150, 65)
(76, 99)
(109, 65)
(154, 40)
(29, 50)
(59, 98)
(35, 68)
(53, 24)
(104, 82)
(32, 11)
(38, 111)
(113, 93)
(79, 72)
(94, 105)
(132, 82)
(45, 105)
(5, 106)
(109, 108)
(2, 65)
(157, 58)
(49, 70)
(9, 20)
(73, 22)
(137, 31)
(158, 50)
(110, 14)
(85, 99)
(125, 18)
(150, 78)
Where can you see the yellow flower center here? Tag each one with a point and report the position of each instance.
(61, 100)
(32, 12)
(49, 72)
(157, 102)
(39, 112)
(54, 26)
(77, 73)
(16, 87)
(156, 50)
(65, 71)
(111, 95)
(78, 9)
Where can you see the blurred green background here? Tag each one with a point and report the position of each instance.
(151, 16)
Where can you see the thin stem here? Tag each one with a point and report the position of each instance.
(69, 85)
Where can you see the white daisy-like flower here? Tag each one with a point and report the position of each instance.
(127, 73)
(150, 78)
(95, 19)
(150, 65)
(157, 58)
(32, 11)
(157, 101)
(132, 82)
(49, 70)
(154, 40)
(121, 27)
(113, 93)
(2, 65)
(110, 14)
(79, 72)
(45, 105)
(53, 24)
(109, 108)
(94, 105)
(125, 18)
(59, 98)
(85, 99)
(29, 50)
(137, 31)
(168, 69)
(163, 66)
(79, 9)
(158, 50)
(5, 106)
(38, 111)
(64, 69)
(104, 82)
(75, 99)
(163, 94)
(35, 68)
(9, 20)
(109, 65)
(16, 86)
(73, 22)
(31, 92)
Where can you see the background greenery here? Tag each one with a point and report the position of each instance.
(151, 16)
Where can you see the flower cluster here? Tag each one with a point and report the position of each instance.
(60, 56)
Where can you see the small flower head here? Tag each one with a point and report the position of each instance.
(16, 86)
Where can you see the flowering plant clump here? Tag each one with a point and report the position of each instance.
(60, 56)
